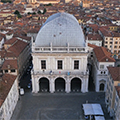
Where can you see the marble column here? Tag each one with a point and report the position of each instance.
(67, 85)
(52, 85)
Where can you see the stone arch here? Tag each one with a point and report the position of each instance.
(76, 84)
(44, 84)
(60, 84)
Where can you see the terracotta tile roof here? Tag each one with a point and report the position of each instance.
(34, 30)
(1, 38)
(2, 53)
(25, 38)
(103, 55)
(91, 45)
(115, 73)
(118, 90)
(5, 86)
(94, 37)
(18, 47)
(19, 23)
(11, 41)
(105, 32)
(9, 64)
(115, 34)
(8, 54)
(94, 27)
(2, 35)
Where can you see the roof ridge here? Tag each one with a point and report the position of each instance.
(103, 53)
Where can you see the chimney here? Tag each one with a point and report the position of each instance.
(106, 59)
(8, 66)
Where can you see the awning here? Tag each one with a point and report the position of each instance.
(92, 109)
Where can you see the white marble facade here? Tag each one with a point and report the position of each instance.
(68, 73)
(60, 66)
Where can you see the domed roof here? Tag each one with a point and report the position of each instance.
(59, 30)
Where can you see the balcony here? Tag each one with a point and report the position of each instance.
(59, 49)
(56, 72)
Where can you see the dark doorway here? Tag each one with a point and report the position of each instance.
(91, 86)
(44, 85)
(101, 87)
(75, 85)
(59, 85)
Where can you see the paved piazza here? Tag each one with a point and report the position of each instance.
(57, 106)
(63, 114)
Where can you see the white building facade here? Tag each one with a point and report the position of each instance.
(101, 60)
(60, 56)
(112, 95)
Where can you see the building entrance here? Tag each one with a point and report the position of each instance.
(43, 85)
(75, 85)
(101, 87)
(59, 85)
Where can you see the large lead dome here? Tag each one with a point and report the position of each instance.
(60, 29)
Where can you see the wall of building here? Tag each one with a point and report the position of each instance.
(95, 42)
(68, 66)
(8, 106)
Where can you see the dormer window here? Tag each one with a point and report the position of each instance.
(13, 70)
(6, 71)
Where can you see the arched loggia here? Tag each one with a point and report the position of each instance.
(43, 85)
(59, 85)
(76, 85)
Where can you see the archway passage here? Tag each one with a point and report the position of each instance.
(44, 85)
(59, 85)
(75, 85)
(102, 86)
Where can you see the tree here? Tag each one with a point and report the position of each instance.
(19, 16)
(39, 12)
(33, 13)
(5, 1)
(28, 13)
(16, 12)
(44, 11)
(49, 4)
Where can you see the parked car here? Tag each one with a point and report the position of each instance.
(29, 85)
(22, 91)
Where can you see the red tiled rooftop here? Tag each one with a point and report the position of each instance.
(18, 47)
(9, 64)
(115, 73)
(91, 45)
(6, 84)
(103, 55)
(94, 37)
(118, 90)
(19, 23)
(11, 41)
